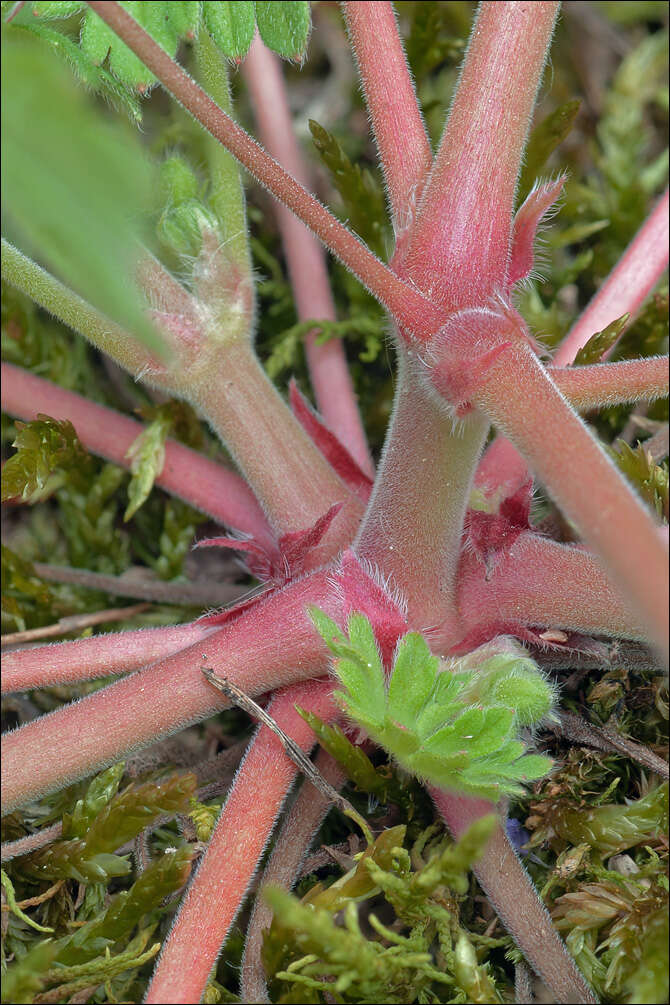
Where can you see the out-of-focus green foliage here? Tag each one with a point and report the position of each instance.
(361, 194)
(74, 185)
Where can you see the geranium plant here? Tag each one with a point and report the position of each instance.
(427, 570)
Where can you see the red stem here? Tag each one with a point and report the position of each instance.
(543, 583)
(591, 387)
(460, 245)
(270, 645)
(235, 848)
(200, 482)
(99, 656)
(413, 311)
(391, 101)
(291, 846)
(627, 286)
(512, 894)
(306, 262)
(526, 407)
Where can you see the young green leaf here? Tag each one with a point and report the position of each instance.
(231, 26)
(147, 457)
(453, 724)
(284, 27)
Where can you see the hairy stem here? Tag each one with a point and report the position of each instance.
(268, 646)
(413, 311)
(242, 832)
(327, 363)
(591, 387)
(512, 894)
(413, 526)
(56, 298)
(460, 244)
(200, 482)
(99, 656)
(292, 843)
(627, 286)
(397, 123)
(582, 480)
(290, 476)
(539, 582)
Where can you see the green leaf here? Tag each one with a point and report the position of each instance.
(598, 344)
(99, 42)
(352, 758)
(103, 788)
(57, 8)
(47, 449)
(231, 25)
(75, 184)
(412, 680)
(284, 27)
(327, 629)
(543, 140)
(147, 457)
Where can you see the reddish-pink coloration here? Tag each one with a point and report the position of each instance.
(305, 258)
(401, 136)
(99, 656)
(233, 851)
(466, 358)
(526, 222)
(187, 474)
(627, 286)
(335, 452)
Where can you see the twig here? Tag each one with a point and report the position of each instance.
(572, 727)
(36, 901)
(73, 623)
(31, 842)
(657, 445)
(191, 594)
(292, 749)
(622, 653)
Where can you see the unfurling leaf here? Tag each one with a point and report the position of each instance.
(452, 723)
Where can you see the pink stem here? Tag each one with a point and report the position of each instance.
(391, 101)
(543, 583)
(502, 468)
(272, 644)
(187, 474)
(413, 526)
(306, 262)
(291, 846)
(413, 311)
(460, 245)
(512, 894)
(524, 404)
(242, 832)
(591, 387)
(627, 286)
(99, 656)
